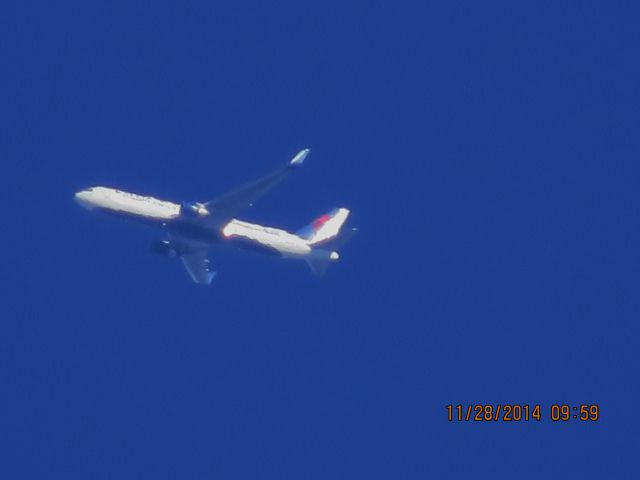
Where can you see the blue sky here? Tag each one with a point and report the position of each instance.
(489, 153)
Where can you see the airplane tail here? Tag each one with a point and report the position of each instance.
(325, 234)
(324, 228)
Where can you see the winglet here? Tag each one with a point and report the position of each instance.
(299, 158)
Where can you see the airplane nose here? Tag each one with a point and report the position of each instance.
(82, 199)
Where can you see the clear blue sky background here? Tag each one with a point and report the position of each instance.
(489, 152)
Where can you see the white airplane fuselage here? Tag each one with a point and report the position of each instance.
(190, 223)
(193, 227)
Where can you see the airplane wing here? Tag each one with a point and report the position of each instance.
(198, 266)
(226, 206)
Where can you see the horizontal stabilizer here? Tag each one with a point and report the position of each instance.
(341, 240)
(318, 267)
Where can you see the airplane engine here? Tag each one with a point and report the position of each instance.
(193, 209)
(164, 248)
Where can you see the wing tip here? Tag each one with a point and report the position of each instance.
(299, 158)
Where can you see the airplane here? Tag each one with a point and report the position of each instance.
(194, 227)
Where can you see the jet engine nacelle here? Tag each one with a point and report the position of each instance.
(164, 247)
(193, 209)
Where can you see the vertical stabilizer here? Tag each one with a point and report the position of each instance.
(324, 228)
(326, 234)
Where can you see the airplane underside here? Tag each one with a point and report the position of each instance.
(193, 227)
